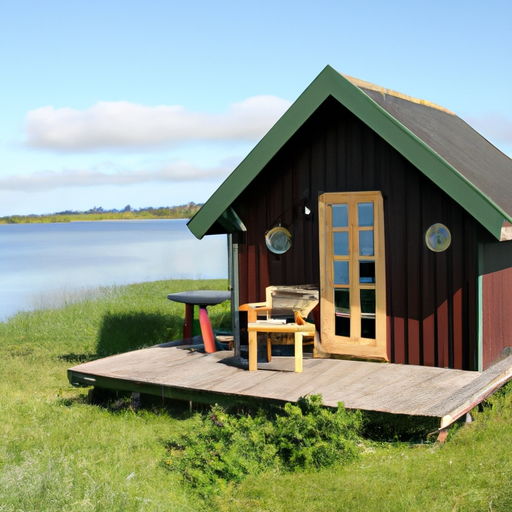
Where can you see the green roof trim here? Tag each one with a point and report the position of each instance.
(231, 222)
(331, 83)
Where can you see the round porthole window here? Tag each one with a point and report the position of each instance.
(278, 240)
(438, 237)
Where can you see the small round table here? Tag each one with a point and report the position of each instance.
(201, 298)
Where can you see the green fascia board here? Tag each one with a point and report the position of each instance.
(231, 222)
(331, 83)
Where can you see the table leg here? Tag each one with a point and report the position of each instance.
(298, 351)
(253, 351)
(189, 321)
(206, 331)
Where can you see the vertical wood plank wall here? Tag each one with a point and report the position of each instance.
(431, 297)
(497, 314)
(496, 302)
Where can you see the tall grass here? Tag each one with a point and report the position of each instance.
(57, 452)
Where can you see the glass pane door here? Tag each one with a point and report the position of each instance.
(352, 269)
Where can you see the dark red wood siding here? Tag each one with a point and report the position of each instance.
(431, 298)
(496, 301)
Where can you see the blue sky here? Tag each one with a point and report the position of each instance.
(109, 103)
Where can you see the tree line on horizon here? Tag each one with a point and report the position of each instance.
(184, 211)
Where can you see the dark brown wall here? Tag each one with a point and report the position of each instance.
(430, 297)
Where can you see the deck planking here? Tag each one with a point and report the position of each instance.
(391, 388)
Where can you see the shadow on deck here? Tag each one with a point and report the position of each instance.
(179, 372)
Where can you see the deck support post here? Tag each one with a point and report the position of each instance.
(443, 434)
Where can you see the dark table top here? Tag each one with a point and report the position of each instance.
(200, 297)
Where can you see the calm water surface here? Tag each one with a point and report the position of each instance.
(42, 263)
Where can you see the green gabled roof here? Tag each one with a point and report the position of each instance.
(442, 146)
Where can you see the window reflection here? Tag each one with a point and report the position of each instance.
(341, 272)
(366, 243)
(340, 215)
(365, 214)
(368, 303)
(368, 314)
(341, 243)
(342, 302)
(367, 271)
(342, 312)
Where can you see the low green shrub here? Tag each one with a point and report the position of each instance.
(222, 448)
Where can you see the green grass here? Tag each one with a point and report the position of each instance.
(58, 453)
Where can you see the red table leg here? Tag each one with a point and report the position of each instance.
(206, 331)
(189, 320)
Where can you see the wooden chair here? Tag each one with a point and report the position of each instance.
(282, 301)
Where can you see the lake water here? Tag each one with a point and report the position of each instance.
(42, 264)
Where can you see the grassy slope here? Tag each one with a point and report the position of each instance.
(58, 453)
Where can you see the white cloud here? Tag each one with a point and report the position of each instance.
(123, 125)
(178, 171)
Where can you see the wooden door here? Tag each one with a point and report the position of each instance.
(352, 274)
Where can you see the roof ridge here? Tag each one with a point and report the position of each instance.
(362, 84)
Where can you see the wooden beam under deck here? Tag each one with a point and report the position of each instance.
(181, 373)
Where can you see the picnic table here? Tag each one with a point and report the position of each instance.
(201, 298)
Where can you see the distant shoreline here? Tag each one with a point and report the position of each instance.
(97, 214)
(128, 220)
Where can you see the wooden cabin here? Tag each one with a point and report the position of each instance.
(395, 208)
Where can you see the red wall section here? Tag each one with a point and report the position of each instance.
(497, 314)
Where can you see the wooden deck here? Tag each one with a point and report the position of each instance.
(178, 372)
